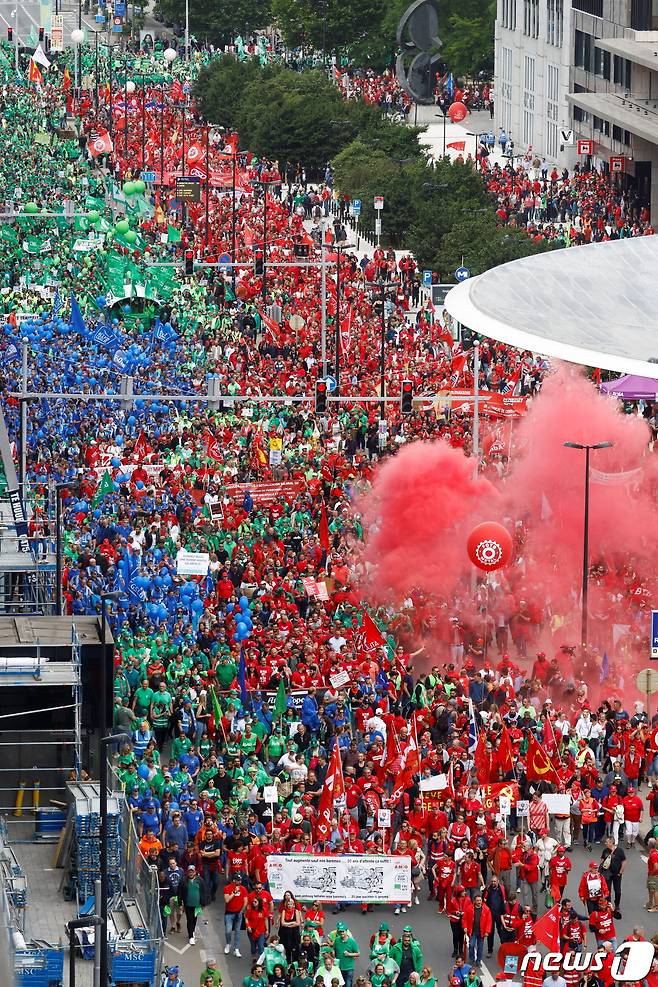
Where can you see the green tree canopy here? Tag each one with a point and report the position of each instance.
(216, 20)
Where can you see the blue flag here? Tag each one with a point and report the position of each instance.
(472, 728)
(12, 352)
(209, 585)
(242, 679)
(605, 667)
(58, 304)
(104, 335)
(450, 85)
(76, 320)
(121, 359)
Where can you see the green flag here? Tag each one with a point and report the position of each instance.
(106, 486)
(280, 705)
(173, 235)
(216, 708)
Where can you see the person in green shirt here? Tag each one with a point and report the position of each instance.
(347, 950)
(256, 978)
(142, 700)
(211, 971)
(226, 672)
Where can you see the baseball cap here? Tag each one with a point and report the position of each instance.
(384, 927)
(341, 927)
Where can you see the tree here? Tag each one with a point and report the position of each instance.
(468, 47)
(221, 86)
(483, 244)
(328, 25)
(216, 20)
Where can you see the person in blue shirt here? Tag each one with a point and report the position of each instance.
(176, 830)
(192, 819)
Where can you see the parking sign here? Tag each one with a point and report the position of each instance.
(654, 635)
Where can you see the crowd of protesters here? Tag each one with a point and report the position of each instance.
(224, 681)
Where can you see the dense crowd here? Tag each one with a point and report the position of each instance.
(224, 681)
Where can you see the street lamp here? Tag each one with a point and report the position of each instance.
(382, 286)
(587, 447)
(339, 246)
(102, 774)
(77, 37)
(170, 55)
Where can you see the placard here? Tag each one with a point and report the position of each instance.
(523, 808)
(340, 678)
(192, 563)
(271, 794)
(504, 804)
(356, 877)
(383, 818)
(557, 804)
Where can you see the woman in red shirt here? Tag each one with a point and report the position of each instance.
(290, 926)
(257, 922)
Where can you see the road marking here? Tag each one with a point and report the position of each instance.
(487, 978)
(179, 951)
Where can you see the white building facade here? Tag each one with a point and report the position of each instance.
(585, 68)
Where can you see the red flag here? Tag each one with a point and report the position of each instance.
(539, 766)
(213, 448)
(196, 153)
(66, 80)
(457, 146)
(404, 780)
(271, 327)
(505, 751)
(445, 335)
(323, 530)
(35, 75)
(176, 91)
(482, 760)
(457, 365)
(596, 376)
(547, 928)
(333, 789)
(142, 448)
(368, 639)
(346, 333)
(99, 142)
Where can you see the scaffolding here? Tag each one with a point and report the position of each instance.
(37, 763)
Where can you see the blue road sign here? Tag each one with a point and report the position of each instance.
(462, 273)
(654, 634)
(147, 176)
(331, 383)
(224, 259)
(356, 207)
(119, 8)
(427, 279)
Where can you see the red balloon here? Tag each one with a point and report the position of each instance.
(457, 112)
(489, 546)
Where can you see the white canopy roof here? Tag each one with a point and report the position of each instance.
(595, 304)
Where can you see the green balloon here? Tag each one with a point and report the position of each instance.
(129, 188)
(93, 216)
(131, 236)
(140, 186)
(122, 226)
(31, 207)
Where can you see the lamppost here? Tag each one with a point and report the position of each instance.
(170, 55)
(264, 185)
(77, 37)
(106, 673)
(59, 487)
(587, 447)
(343, 245)
(381, 286)
(128, 90)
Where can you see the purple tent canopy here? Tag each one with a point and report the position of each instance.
(632, 388)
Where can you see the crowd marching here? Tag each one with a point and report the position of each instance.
(270, 670)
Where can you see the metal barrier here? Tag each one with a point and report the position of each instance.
(141, 880)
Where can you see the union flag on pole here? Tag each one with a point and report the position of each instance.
(457, 366)
(35, 74)
(547, 928)
(99, 142)
(457, 146)
(333, 791)
(368, 639)
(213, 448)
(66, 80)
(141, 448)
(323, 530)
(176, 91)
(539, 766)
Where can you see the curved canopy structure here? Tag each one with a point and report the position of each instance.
(595, 304)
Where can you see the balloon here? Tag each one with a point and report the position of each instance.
(126, 308)
(122, 226)
(140, 186)
(116, 461)
(131, 236)
(128, 188)
(101, 301)
(31, 207)
(143, 771)
(489, 546)
(457, 112)
(244, 603)
(230, 607)
(197, 606)
(93, 216)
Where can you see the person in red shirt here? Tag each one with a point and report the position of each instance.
(652, 876)
(593, 887)
(633, 809)
(444, 875)
(474, 910)
(559, 866)
(235, 900)
(455, 909)
(525, 927)
(470, 874)
(602, 922)
(529, 878)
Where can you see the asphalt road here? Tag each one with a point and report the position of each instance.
(431, 929)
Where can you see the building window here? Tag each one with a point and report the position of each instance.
(621, 136)
(552, 111)
(594, 7)
(602, 63)
(531, 18)
(583, 51)
(507, 88)
(554, 22)
(628, 74)
(644, 15)
(509, 14)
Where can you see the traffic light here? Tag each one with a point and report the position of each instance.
(10, 34)
(320, 395)
(300, 249)
(189, 262)
(407, 397)
(259, 264)
(41, 34)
